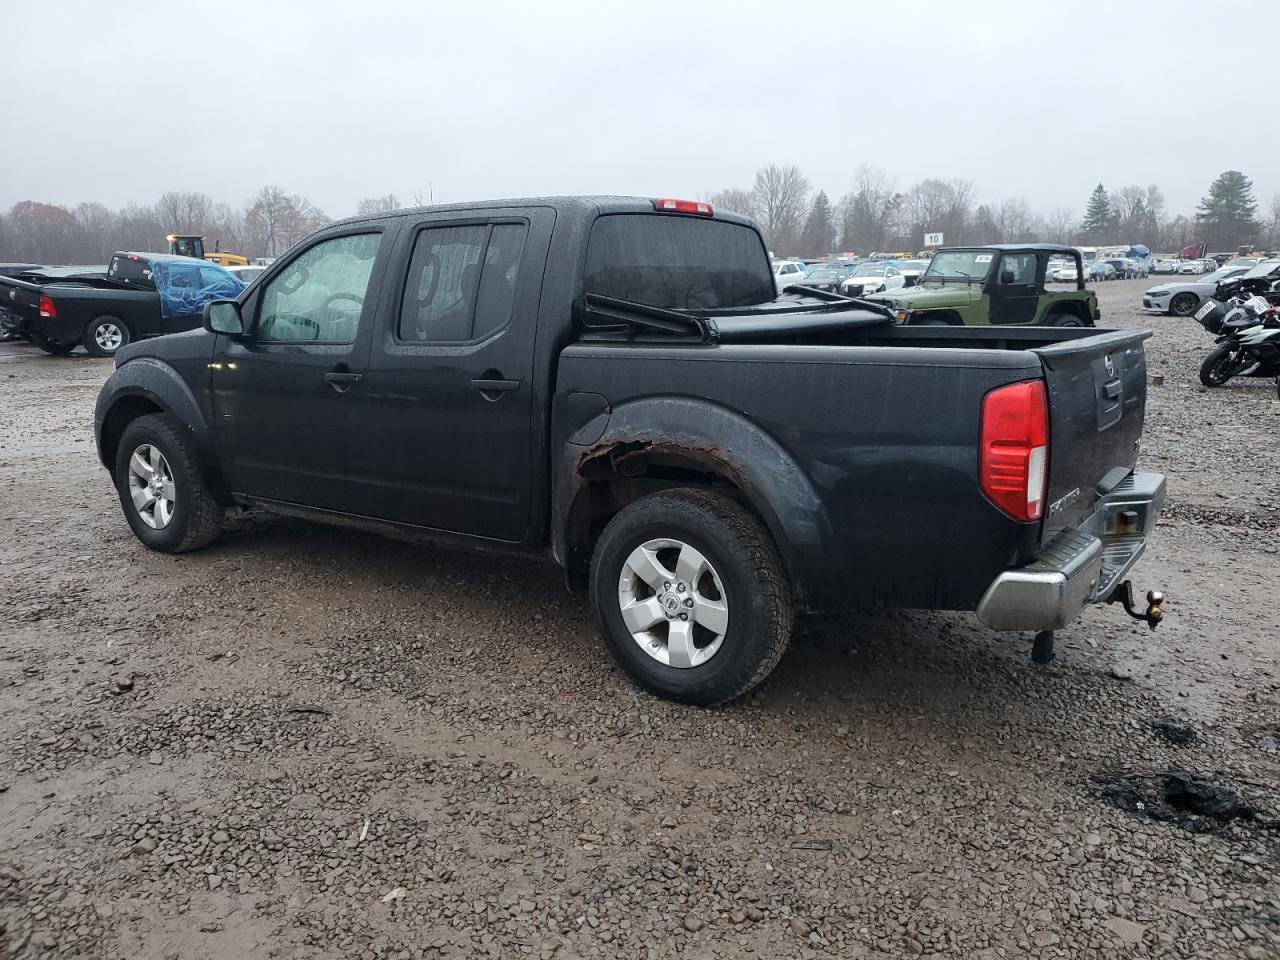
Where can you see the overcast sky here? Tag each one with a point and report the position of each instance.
(336, 101)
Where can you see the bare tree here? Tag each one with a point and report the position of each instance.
(275, 221)
(1273, 222)
(735, 200)
(1013, 221)
(96, 229)
(184, 212)
(864, 215)
(781, 196)
(373, 206)
(1059, 225)
(935, 205)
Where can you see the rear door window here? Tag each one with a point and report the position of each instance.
(462, 282)
(682, 263)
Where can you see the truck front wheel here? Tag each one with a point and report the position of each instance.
(162, 490)
(691, 596)
(104, 336)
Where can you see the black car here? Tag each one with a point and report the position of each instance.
(827, 276)
(613, 384)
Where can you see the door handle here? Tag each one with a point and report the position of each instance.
(341, 380)
(495, 386)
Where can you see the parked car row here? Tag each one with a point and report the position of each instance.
(853, 278)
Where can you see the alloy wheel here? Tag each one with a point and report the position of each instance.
(673, 603)
(108, 336)
(151, 486)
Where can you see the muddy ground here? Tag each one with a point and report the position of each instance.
(306, 742)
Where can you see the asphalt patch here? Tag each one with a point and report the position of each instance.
(1193, 801)
(1178, 732)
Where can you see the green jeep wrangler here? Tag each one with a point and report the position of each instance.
(1003, 283)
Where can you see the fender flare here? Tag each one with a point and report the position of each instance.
(160, 384)
(770, 480)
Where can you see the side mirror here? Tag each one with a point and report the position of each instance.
(223, 316)
(1006, 276)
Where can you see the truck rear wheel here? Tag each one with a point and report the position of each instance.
(104, 336)
(162, 489)
(54, 348)
(691, 597)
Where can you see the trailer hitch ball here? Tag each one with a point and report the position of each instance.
(1154, 614)
(1123, 595)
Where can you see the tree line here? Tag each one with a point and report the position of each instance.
(875, 215)
(88, 233)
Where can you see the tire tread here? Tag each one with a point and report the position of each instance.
(204, 513)
(744, 536)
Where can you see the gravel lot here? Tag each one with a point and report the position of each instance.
(307, 742)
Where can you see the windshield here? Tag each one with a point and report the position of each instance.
(959, 265)
(1265, 268)
(1219, 275)
(682, 263)
(869, 270)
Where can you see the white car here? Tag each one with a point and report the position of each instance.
(1164, 265)
(872, 276)
(912, 271)
(1182, 299)
(1190, 266)
(787, 272)
(1062, 271)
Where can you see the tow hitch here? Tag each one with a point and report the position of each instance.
(1042, 645)
(1123, 595)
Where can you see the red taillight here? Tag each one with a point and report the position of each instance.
(683, 206)
(1014, 456)
(47, 308)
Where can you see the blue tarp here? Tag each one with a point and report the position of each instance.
(186, 285)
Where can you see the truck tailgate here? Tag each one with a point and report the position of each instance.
(20, 298)
(1097, 389)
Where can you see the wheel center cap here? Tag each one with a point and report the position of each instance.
(670, 603)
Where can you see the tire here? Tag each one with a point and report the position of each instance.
(192, 518)
(104, 336)
(1218, 367)
(55, 348)
(1063, 320)
(1183, 305)
(741, 566)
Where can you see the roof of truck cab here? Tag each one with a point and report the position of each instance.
(575, 205)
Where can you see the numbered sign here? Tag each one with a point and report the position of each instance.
(933, 239)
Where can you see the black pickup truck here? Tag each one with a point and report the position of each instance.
(141, 295)
(613, 383)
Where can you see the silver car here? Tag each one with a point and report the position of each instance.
(1183, 299)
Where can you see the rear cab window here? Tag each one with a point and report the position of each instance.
(131, 270)
(677, 262)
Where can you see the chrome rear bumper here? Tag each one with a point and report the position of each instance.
(1080, 566)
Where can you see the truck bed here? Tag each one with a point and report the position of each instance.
(884, 423)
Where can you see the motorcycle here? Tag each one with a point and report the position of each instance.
(1248, 339)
